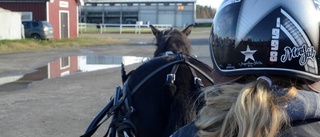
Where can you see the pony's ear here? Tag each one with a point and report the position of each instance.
(155, 31)
(188, 29)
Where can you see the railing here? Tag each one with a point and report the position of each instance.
(101, 28)
(82, 27)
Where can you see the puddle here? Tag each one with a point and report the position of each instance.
(70, 65)
(145, 43)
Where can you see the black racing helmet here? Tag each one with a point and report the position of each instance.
(267, 37)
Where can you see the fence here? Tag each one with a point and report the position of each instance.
(119, 28)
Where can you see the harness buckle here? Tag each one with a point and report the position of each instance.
(167, 53)
(171, 78)
(131, 109)
(197, 81)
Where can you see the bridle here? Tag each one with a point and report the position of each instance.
(123, 97)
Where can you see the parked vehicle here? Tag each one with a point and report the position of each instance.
(38, 30)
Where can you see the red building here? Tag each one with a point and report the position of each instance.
(58, 68)
(61, 14)
(62, 67)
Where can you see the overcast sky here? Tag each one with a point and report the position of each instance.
(212, 3)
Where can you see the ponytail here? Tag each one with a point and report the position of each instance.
(234, 110)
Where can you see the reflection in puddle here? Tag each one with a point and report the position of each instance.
(70, 65)
(145, 43)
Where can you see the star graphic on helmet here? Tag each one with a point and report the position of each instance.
(248, 53)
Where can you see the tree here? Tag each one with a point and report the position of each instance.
(204, 12)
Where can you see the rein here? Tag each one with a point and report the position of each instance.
(124, 97)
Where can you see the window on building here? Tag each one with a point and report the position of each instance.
(166, 4)
(26, 16)
(180, 7)
(112, 14)
(135, 4)
(94, 13)
(130, 13)
(64, 62)
(148, 4)
(142, 4)
(153, 4)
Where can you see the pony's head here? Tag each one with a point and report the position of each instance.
(172, 40)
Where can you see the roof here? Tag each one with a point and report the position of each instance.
(79, 1)
(4, 10)
(23, 0)
(120, 1)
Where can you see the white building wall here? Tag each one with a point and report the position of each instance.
(187, 19)
(148, 15)
(166, 17)
(10, 26)
(178, 19)
(156, 12)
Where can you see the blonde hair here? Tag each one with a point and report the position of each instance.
(250, 110)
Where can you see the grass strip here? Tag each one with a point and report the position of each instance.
(25, 45)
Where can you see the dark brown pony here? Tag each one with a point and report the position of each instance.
(172, 40)
(158, 97)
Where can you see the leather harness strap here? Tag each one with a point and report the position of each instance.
(197, 81)
(172, 76)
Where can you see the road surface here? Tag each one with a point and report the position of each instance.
(65, 106)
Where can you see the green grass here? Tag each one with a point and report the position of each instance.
(25, 45)
(117, 31)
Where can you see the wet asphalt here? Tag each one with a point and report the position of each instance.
(65, 106)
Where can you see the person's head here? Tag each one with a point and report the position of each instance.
(253, 38)
(242, 110)
(263, 37)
